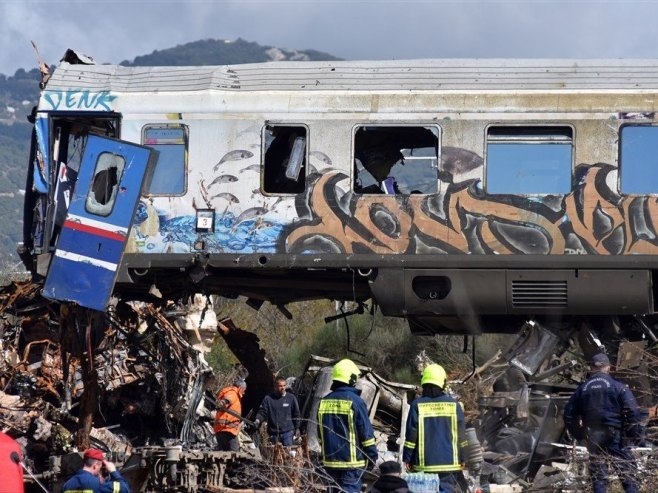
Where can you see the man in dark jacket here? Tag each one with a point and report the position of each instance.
(390, 479)
(90, 480)
(603, 412)
(281, 411)
(346, 435)
(435, 434)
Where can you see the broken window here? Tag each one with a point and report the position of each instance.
(396, 160)
(170, 174)
(284, 166)
(529, 160)
(104, 188)
(638, 161)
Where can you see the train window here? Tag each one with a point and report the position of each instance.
(104, 187)
(396, 160)
(170, 174)
(536, 160)
(638, 164)
(284, 166)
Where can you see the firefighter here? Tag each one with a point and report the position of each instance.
(227, 422)
(435, 434)
(346, 435)
(604, 412)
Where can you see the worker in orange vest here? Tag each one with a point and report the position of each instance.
(227, 422)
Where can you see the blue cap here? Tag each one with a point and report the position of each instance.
(600, 359)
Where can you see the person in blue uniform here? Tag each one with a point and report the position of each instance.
(346, 435)
(435, 433)
(89, 479)
(603, 412)
(281, 411)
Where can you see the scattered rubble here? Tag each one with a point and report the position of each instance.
(134, 382)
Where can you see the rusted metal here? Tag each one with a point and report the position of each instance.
(132, 382)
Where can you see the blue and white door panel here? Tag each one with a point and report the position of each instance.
(92, 241)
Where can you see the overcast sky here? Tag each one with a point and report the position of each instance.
(112, 31)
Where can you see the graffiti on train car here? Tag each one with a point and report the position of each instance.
(590, 220)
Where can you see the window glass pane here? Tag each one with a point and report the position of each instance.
(529, 160)
(396, 160)
(284, 166)
(638, 163)
(104, 187)
(169, 175)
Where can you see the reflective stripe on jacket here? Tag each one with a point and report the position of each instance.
(435, 434)
(345, 431)
(223, 420)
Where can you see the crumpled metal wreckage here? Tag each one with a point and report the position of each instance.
(135, 383)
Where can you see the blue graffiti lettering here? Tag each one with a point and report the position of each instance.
(85, 101)
(79, 99)
(70, 99)
(103, 98)
(49, 98)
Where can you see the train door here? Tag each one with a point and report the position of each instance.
(99, 217)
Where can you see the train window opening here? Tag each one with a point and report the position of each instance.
(638, 161)
(284, 163)
(169, 176)
(529, 160)
(396, 160)
(104, 188)
(69, 140)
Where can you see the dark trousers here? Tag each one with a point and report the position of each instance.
(284, 438)
(605, 446)
(344, 480)
(227, 442)
(449, 482)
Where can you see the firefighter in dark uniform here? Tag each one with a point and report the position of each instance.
(346, 435)
(603, 412)
(435, 435)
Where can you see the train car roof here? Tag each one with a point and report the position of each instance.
(568, 75)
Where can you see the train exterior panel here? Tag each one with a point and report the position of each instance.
(442, 188)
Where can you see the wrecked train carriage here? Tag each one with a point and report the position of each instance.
(161, 442)
(149, 406)
(395, 181)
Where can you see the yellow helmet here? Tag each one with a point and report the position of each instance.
(346, 371)
(434, 374)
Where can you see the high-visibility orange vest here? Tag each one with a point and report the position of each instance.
(223, 420)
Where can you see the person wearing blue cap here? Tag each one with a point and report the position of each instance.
(603, 412)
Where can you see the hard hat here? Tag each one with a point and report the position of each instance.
(434, 374)
(346, 371)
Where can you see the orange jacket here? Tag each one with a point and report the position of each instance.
(223, 420)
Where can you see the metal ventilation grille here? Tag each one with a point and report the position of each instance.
(539, 294)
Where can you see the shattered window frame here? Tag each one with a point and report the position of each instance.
(169, 173)
(105, 162)
(529, 159)
(397, 181)
(276, 177)
(637, 176)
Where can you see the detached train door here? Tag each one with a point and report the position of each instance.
(84, 266)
